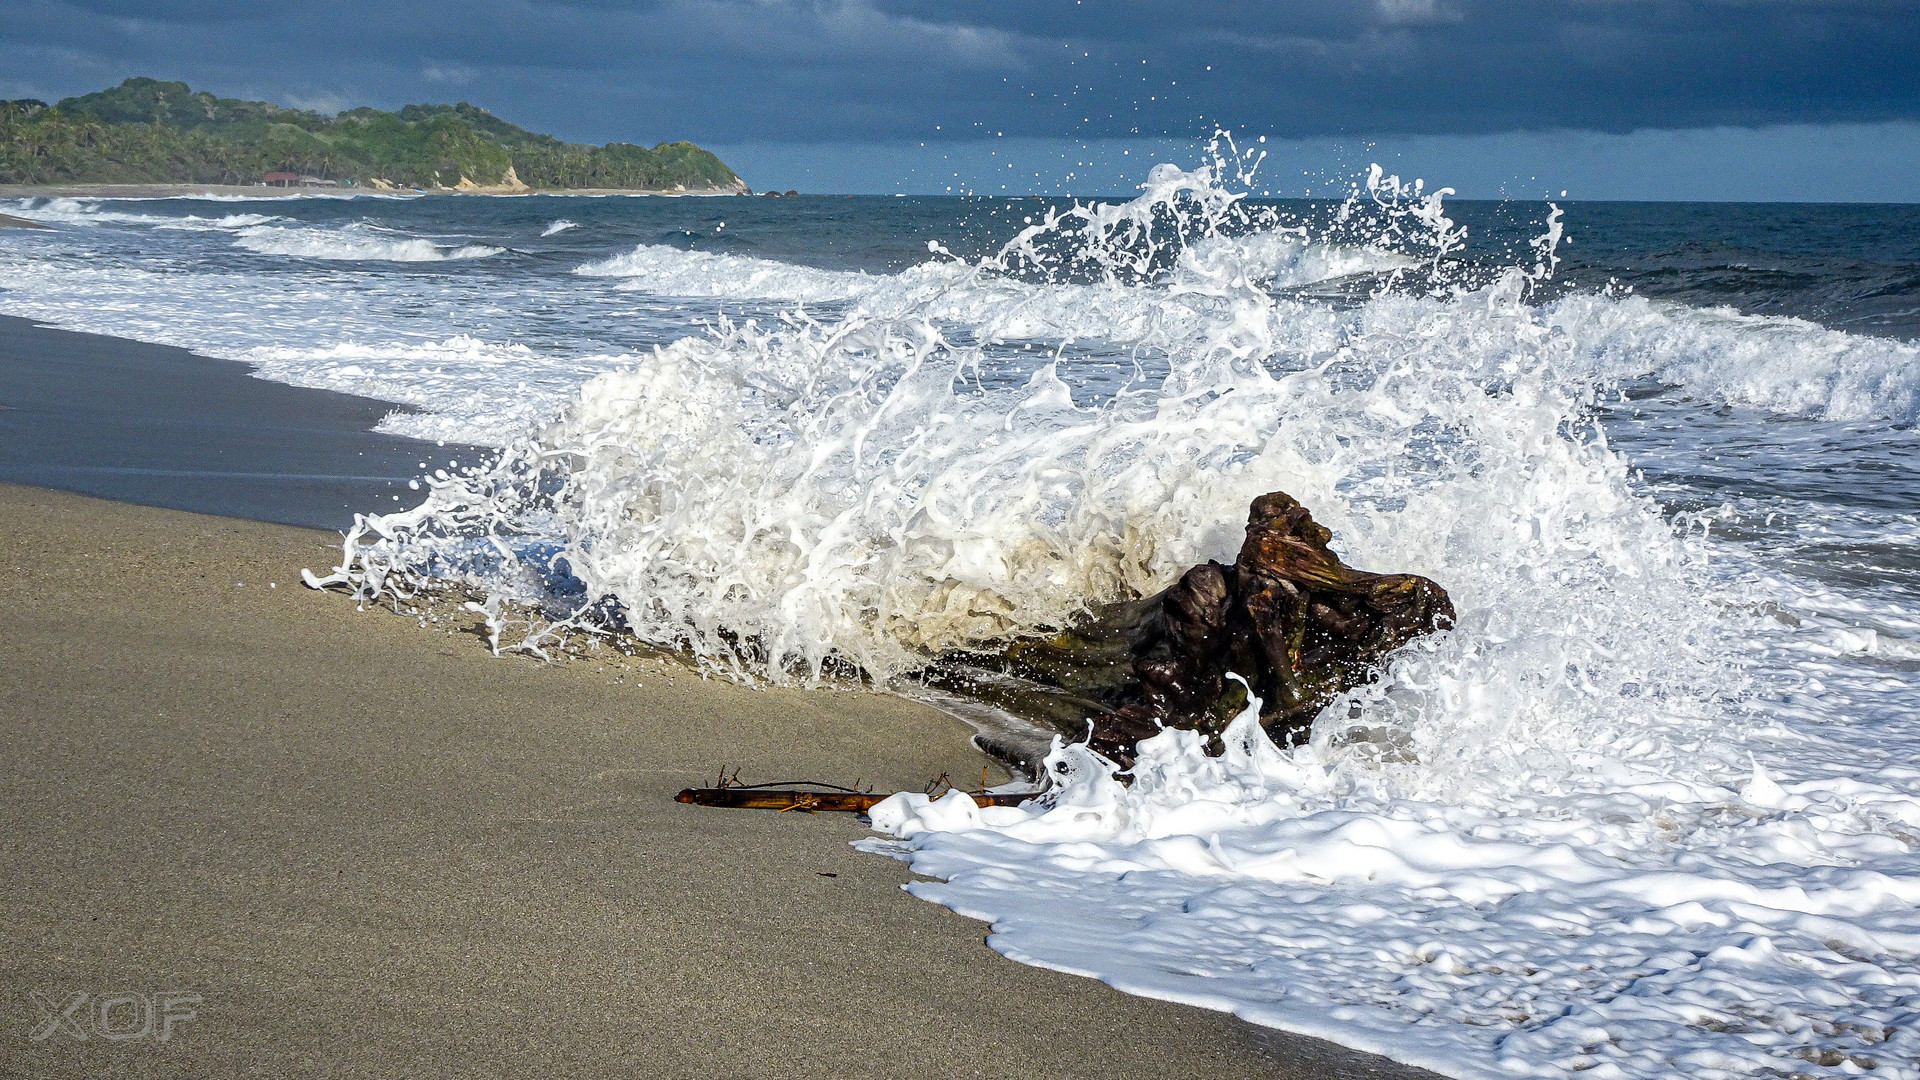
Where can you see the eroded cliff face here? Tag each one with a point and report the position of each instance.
(509, 185)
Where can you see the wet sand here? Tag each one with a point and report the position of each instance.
(166, 427)
(375, 850)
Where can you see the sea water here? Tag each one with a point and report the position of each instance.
(1650, 809)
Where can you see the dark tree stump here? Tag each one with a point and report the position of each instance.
(1300, 625)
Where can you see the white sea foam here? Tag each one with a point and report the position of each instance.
(1611, 920)
(1279, 259)
(224, 223)
(1787, 365)
(560, 226)
(1273, 258)
(1781, 364)
(354, 242)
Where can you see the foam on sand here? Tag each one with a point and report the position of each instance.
(1616, 919)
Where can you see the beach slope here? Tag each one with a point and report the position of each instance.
(374, 850)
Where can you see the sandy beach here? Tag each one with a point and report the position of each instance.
(376, 850)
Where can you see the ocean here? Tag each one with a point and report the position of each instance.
(1650, 809)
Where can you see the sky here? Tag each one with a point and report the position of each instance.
(1711, 99)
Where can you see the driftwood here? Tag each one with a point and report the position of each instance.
(1288, 615)
(812, 795)
(858, 802)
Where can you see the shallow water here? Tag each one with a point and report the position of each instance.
(1650, 809)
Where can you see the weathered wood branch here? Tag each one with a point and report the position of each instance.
(857, 802)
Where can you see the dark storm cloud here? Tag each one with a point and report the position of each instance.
(774, 70)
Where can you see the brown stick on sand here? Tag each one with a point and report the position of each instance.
(783, 799)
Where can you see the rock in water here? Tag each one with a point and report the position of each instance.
(1288, 616)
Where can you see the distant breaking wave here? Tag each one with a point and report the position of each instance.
(670, 271)
(354, 242)
(1276, 260)
(89, 212)
(990, 305)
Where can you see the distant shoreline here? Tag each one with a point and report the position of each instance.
(261, 191)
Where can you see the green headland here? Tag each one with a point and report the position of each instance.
(149, 132)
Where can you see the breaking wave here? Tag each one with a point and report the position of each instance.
(966, 453)
(88, 212)
(354, 242)
(1788, 366)
(672, 271)
(1273, 260)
